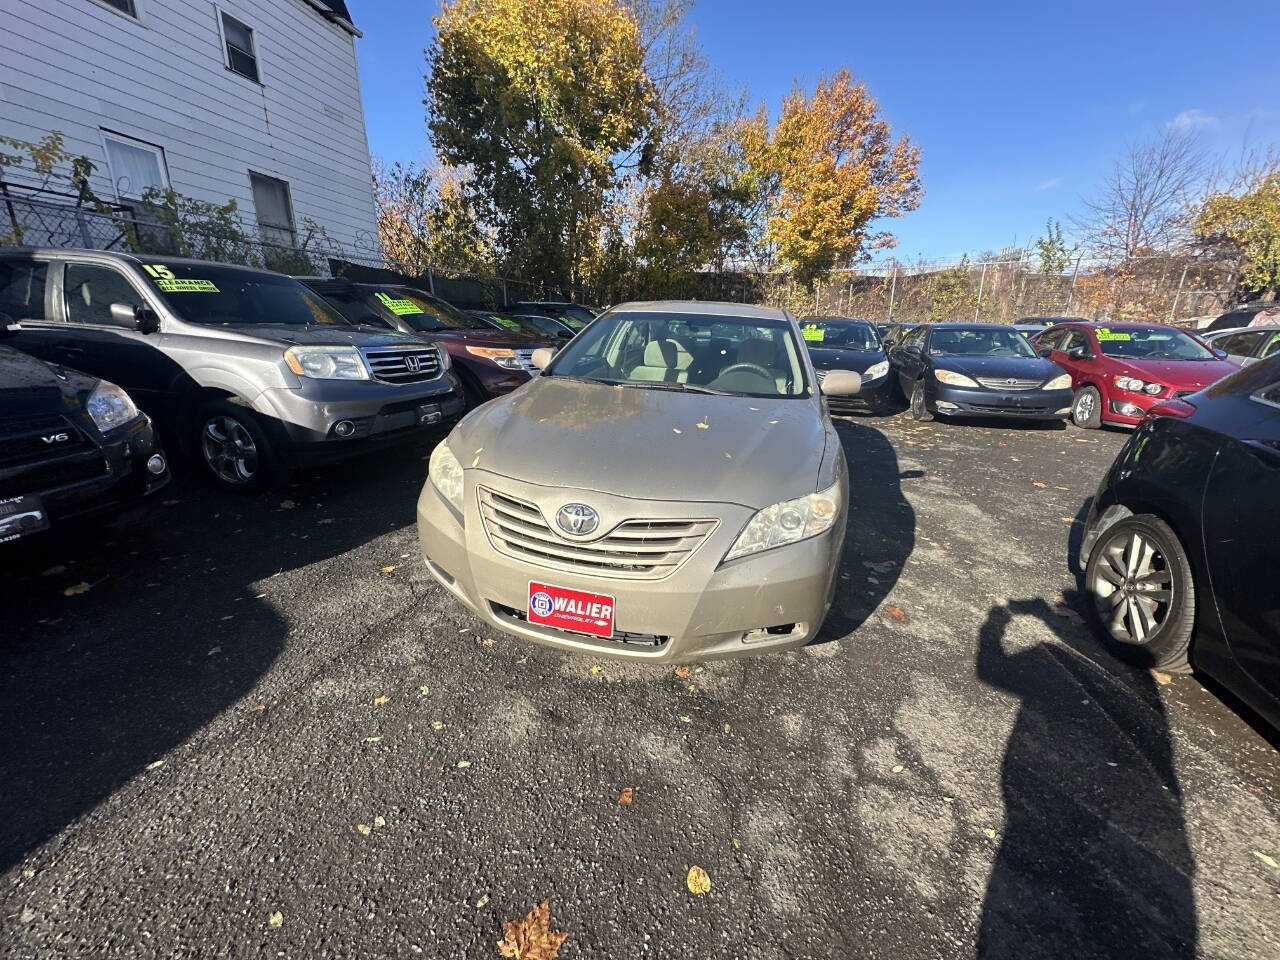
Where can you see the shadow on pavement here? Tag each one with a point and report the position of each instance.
(1094, 860)
(168, 623)
(881, 532)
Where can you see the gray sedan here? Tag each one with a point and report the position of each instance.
(670, 488)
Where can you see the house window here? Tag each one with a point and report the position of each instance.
(274, 209)
(237, 40)
(135, 166)
(127, 7)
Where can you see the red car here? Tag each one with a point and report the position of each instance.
(1120, 370)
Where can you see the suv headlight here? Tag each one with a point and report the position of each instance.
(1060, 382)
(446, 361)
(501, 356)
(326, 363)
(788, 522)
(446, 474)
(876, 370)
(109, 406)
(954, 379)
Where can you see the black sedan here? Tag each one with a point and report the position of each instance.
(69, 444)
(842, 343)
(1179, 551)
(978, 370)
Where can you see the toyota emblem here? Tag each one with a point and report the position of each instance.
(577, 519)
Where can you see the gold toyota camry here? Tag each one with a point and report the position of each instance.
(669, 488)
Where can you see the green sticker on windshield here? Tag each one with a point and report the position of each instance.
(400, 308)
(504, 322)
(813, 333)
(186, 286)
(1105, 334)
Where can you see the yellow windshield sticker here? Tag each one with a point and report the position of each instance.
(158, 270)
(1105, 334)
(400, 308)
(186, 286)
(504, 322)
(813, 333)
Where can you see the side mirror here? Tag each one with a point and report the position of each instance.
(1220, 354)
(542, 357)
(842, 383)
(8, 325)
(1044, 352)
(887, 341)
(1079, 353)
(142, 319)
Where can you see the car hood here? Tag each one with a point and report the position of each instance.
(647, 443)
(319, 335)
(29, 386)
(835, 358)
(1180, 374)
(489, 337)
(1002, 368)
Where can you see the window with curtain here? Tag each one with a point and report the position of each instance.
(134, 165)
(274, 209)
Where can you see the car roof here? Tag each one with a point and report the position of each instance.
(972, 326)
(820, 318)
(1262, 328)
(135, 259)
(707, 308)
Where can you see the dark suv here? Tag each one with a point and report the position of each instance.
(69, 444)
(248, 369)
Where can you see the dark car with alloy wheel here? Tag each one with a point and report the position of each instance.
(978, 370)
(250, 371)
(70, 444)
(489, 359)
(847, 343)
(1179, 552)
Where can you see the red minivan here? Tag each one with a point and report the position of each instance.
(1120, 370)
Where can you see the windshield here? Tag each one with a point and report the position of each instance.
(213, 294)
(418, 309)
(576, 316)
(839, 333)
(1152, 343)
(505, 321)
(746, 356)
(980, 342)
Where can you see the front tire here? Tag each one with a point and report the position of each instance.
(919, 406)
(234, 447)
(1142, 596)
(1086, 408)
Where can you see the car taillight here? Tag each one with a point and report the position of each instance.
(1172, 408)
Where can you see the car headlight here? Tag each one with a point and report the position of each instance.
(876, 370)
(954, 379)
(499, 355)
(788, 522)
(445, 360)
(446, 474)
(1134, 385)
(326, 363)
(109, 406)
(1061, 382)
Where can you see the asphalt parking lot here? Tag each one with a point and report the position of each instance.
(228, 708)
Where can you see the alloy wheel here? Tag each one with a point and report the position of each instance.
(229, 450)
(1133, 587)
(1084, 407)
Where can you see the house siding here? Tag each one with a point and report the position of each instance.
(78, 67)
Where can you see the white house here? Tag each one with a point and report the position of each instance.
(256, 100)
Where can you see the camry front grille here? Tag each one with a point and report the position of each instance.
(403, 364)
(995, 383)
(633, 549)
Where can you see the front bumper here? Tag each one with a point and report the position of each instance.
(872, 398)
(700, 611)
(980, 402)
(1128, 409)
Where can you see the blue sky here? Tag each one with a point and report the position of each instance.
(1019, 108)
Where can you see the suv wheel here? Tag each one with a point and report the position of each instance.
(234, 446)
(1142, 594)
(1086, 409)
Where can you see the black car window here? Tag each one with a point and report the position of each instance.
(22, 288)
(1241, 344)
(1050, 339)
(210, 293)
(1073, 339)
(915, 337)
(90, 290)
(980, 342)
(353, 304)
(818, 332)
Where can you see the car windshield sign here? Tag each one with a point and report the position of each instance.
(209, 293)
(1151, 343)
(840, 334)
(419, 310)
(980, 342)
(745, 356)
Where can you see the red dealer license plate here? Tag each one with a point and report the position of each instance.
(574, 610)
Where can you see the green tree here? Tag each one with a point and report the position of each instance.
(1055, 255)
(952, 298)
(1246, 224)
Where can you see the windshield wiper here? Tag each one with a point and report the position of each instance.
(664, 385)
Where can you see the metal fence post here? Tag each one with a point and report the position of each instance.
(1071, 293)
(1183, 279)
(431, 283)
(893, 288)
(982, 283)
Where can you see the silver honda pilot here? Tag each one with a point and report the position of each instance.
(249, 370)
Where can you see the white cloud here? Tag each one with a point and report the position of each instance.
(1193, 119)
(1049, 184)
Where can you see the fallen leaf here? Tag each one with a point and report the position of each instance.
(991, 834)
(287, 504)
(522, 660)
(484, 899)
(76, 588)
(424, 689)
(532, 938)
(1038, 485)
(213, 651)
(895, 613)
(372, 739)
(684, 719)
(54, 571)
(487, 641)
(276, 920)
(675, 430)
(726, 728)
(155, 764)
(258, 708)
(692, 688)
(697, 881)
(463, 764)
(897, 768)
(388, 568)
(682, 672)
(1269, 861)
(379, 822)
(437, 725)
(728, 455)
(625, 798)
(1161, 678)
(325, 520)
(595, 668)
(704, 426)
(364, 828)
(737, 844)
(381, 700)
